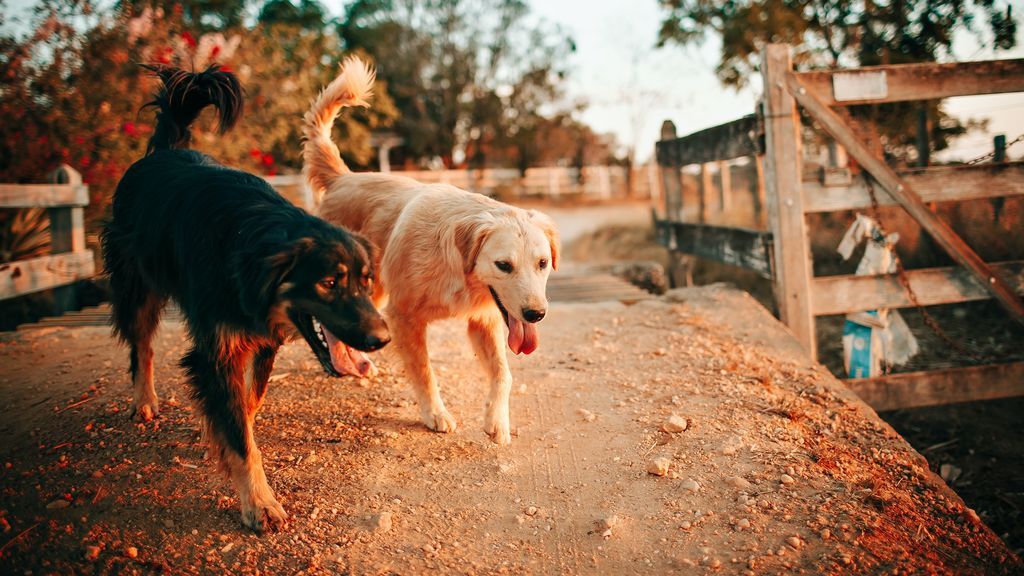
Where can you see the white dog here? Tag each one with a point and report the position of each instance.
(446, 253)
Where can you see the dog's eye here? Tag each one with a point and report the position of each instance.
(543, 263)
(504, 265)
(328, 283)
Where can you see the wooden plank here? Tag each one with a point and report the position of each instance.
(760, 201)
(944, 184)
(27, 276)
(948, 285)
(783, 168)
(916, 389)
(723, 142)
(937, 228)
(730, 245)
(925, 81)
(43, 195)
(671, 178)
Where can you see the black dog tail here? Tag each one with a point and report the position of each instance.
(184, 95)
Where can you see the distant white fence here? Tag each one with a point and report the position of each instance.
(554, 183)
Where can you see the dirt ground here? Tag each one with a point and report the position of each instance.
(779, 470)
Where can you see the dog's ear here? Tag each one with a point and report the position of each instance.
(260, 278)
(372, 253)
(545, 223)
(469, 235)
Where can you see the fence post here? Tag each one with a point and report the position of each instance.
(706, 185)
(760, 201)
(67, 234)
(725, 187)
(671, 180)
(783, 169)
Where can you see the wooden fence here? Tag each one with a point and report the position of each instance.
(69, 260)
(552, 183)
(783, 253)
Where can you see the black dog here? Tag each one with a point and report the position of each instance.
(249, 271)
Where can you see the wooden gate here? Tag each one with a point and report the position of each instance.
(800, 296)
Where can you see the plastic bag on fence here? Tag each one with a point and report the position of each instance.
(875, 340)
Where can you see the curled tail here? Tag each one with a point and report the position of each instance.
(321, 161)
(184, 95)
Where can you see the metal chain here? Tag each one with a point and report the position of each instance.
(901, 275)
(992, 154)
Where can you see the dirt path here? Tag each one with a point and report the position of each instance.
(779, 470)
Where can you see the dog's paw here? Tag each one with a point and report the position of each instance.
(439, 420)
(145, 410)
(263, 516)
(498, 428)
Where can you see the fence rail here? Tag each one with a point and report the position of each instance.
(69, 260)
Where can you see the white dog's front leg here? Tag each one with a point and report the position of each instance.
(485, 334)
(411, 342)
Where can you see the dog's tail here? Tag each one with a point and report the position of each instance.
(183, 96)
(320, 157)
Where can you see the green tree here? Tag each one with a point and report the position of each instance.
(848, 33)
(461, 71)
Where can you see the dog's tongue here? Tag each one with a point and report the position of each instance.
(347, 361)
(522, 336)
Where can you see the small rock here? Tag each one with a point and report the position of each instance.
(949, 473)
(608, 522)
(711, 562)
(531, 511)
(738, 482)
(92, 553)
(786, 479)
(675, 423)
(685, 525)
(731, 446)
(795, 542)
(825, 534)
(659, 466)
(383, 522)
(690, 484)
(131, 552)
(58, 504)
(742, 524)
(586, 415)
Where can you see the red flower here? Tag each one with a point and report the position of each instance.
(189, 39)
(214, 51)
(226, 69)
(267, 160)
(271, 172)
(130, 129)
(255, 152)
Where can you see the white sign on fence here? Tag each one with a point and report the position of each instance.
(859, 86)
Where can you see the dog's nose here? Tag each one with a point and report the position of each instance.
(377, 341)
(531, 315)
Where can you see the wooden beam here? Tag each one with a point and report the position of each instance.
(723, 142)
(783, 169)
(741, 247)
(43, 195)
(27, 276)
(916, 389)
(944, 184)
(948, 285)
(943, 235)
(904, 82)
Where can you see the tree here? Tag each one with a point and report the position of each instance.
(70, 110)
(832, 33)
(465, 74)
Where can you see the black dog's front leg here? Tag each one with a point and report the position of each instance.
(229, 408)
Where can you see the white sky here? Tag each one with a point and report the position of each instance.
(631, 87)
